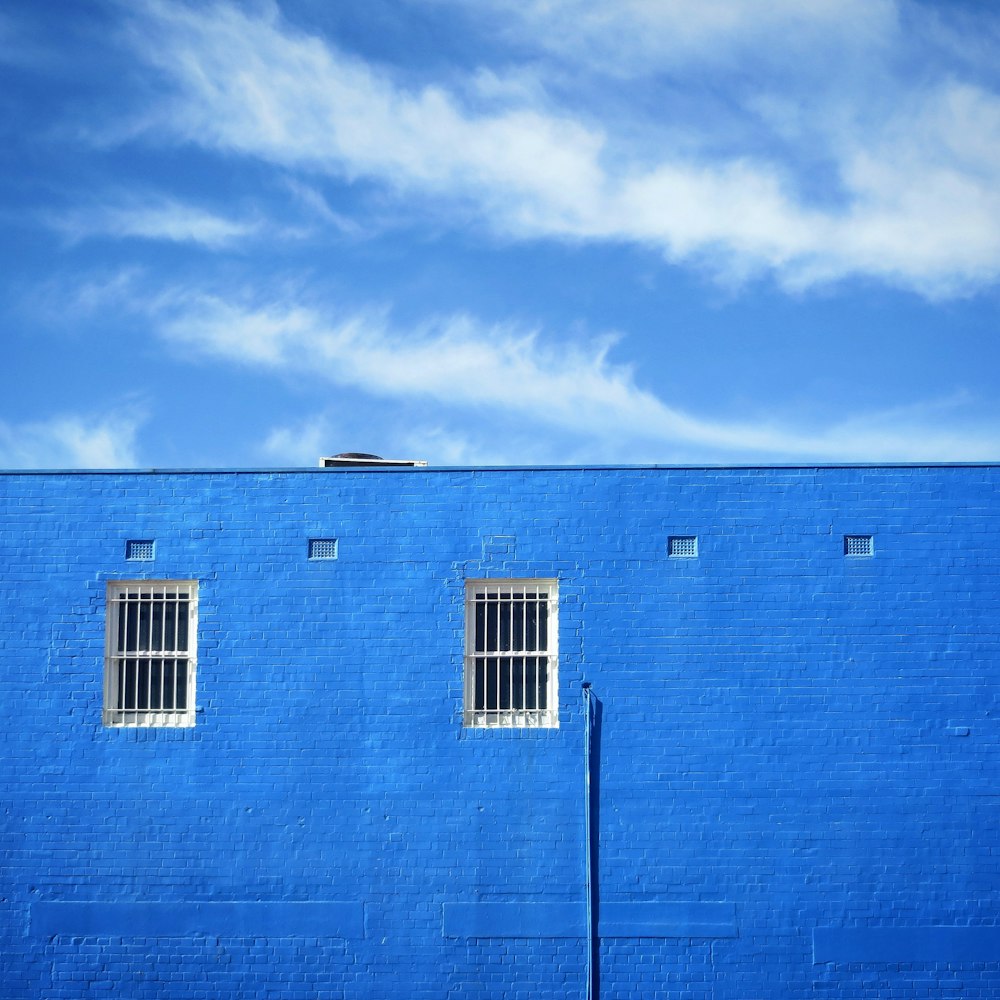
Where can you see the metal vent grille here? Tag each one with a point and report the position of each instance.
(322, 548)
(140, 550)
(682, 546)
(859, 545)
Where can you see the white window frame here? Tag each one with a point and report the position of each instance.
(528, 701)
(132, 669)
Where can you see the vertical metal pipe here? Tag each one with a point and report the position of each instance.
(588, 721)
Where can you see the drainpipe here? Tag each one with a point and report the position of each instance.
(588, 724)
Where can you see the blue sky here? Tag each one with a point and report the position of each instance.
(501, 231)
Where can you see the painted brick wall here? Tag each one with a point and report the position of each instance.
(796, 755)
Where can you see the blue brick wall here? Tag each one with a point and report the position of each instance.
(808, 741)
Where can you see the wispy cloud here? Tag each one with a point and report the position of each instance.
(398, 432)
(319, 210)
(914, 187)
(71, 441)
(155, 219)
(300, 443)
(637, 37)
(517, 379)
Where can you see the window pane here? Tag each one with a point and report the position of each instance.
(131, 609)
(179, 677)
(517, 677)
(120, 700)
(505, 671)
(156, 626)
(479, 627)
(143, 670)
(492, 685)
(122, 610)
(479, 692)
(492, 627)
(144, 610)
(182, 627)
(128, 699)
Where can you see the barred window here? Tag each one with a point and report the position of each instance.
(511, 666)
(150, 651)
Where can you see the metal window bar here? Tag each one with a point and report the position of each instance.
(510, 666)
(150, 658)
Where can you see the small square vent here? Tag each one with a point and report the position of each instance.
(682, 546)
(859, 545)
(322, 548)
(140, 550)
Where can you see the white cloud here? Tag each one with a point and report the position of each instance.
(302, 443)
(397, 432)
(251, 86)
(318, 209)
(110, 290)
(369, 425)
(514, 379)
(440, 445)
(634, 37)
(70, 442)
(914, 170)
(155, 219)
